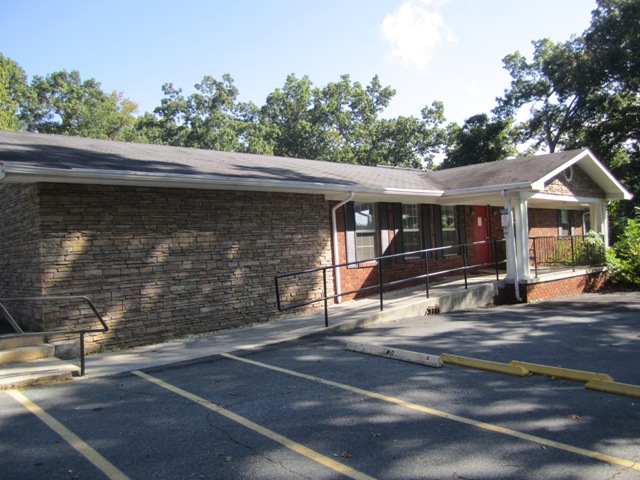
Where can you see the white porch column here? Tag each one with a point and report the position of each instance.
(521, 210)
(517, 238)
(600, 220)
(512, 270)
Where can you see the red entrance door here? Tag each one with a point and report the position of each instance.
(481, 233)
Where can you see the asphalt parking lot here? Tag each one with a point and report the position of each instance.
(312, 409)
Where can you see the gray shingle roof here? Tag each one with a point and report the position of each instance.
(504, 172)
(65, 152)
(76, 159)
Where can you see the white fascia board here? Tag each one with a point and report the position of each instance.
(31, 174)
(566, 198)
(462, 192)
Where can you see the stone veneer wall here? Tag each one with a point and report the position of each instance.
(20, 251)
(580, 185)
(164, 263)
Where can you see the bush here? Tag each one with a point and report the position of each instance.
(624, 258)
(591, 251)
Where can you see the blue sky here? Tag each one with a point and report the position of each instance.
(426, 50)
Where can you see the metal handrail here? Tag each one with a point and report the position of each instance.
(559, 252)
(80, 332)
(381, 284)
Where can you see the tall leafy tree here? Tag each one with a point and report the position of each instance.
(552, 87)
(479, 140)
(294, 123)
(62, 103)
(14, 93)
(209, 118)
(342, 122)
(612, 42)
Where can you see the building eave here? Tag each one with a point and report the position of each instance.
(32, 174)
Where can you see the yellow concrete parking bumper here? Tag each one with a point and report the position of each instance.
(560, 372)
(614, 387)
(484, 365)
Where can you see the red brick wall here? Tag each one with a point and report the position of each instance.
(367, 275)
(545, 290)
(544, 223)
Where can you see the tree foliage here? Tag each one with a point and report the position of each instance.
(339, 122)
(14, 92)
(63, 104)
(479, 140)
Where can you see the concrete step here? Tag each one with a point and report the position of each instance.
(16, 340)
(26, 354)
(37, 372)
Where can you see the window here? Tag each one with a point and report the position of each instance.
(565, 227)
(365, 227)
(411, 228)
(449, 222)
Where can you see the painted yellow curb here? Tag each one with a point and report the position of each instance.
(568, 373)
(614, 387)
(484, 365)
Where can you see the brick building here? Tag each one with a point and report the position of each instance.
(172, 241)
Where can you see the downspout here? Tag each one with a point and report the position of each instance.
(516, 284)
(336, 249)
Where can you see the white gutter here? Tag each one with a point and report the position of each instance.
(336, 249)
(488, 189)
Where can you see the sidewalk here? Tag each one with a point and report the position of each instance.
(445, 295)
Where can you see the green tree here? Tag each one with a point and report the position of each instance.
(209, 118)
(341, 122)
(14, 93)
(479, 140)
(613, 118)
(553, 87)
(62, 103)
(294, 126)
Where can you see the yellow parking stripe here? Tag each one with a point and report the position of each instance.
(71, 438)
(284, 441)
(431, 411)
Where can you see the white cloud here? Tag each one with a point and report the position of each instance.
(415, 33)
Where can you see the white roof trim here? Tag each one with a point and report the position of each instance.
(487, 189)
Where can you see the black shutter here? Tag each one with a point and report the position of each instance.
(398, 238)
(462, 225)
(425, 213)
(350, 224)
(437, 214)
(385, 237)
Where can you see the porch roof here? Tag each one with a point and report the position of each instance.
(31, 158)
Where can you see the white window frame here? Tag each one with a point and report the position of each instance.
(450, 235)
(365, 232)
(411, 237)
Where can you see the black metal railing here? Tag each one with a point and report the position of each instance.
(498, 255)
(566, 252)
(81, 332)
